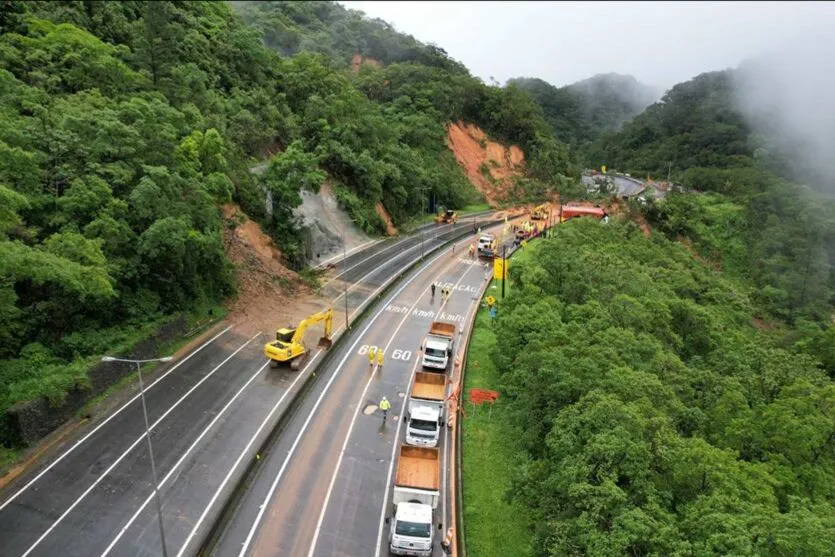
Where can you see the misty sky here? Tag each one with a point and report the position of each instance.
(660, 43)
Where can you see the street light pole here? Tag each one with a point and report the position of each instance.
(345, 282)
(148, 435)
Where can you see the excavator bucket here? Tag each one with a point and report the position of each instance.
(325, 342)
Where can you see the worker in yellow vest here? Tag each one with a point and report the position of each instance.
(371, 354)
(380, 357)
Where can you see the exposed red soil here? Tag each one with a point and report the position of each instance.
(381, 210)
(475, 154)
(358, 60)
(269, 294)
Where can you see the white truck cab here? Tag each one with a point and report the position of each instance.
(423, 429)
(411, 532)
(438, 345)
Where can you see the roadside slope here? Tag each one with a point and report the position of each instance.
(490, 166)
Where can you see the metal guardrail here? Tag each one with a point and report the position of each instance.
(459, 546)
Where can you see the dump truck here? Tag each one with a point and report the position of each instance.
(289, 346)
(416, 496)
(540, 212)
(426, 409)
(438, 344)
(487, 245)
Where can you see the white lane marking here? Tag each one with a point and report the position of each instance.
(362, 397)
(349, 252)
(185, 454)
(436, 233)
(101, 425)
(269, 415)
(129, 449)
(388, 482)
(349, 353)
(352, 267)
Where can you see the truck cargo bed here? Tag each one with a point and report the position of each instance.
(430, 386)
(419, 468)
(442, 329)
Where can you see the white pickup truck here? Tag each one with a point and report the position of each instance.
(438, 345)
(426, 409)
(416, 496)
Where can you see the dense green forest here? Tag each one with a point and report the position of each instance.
(126, 124)
(579, 113)
(655, 417)
(750, 217)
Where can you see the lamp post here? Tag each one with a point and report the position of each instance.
(345, 282)
(148, 435)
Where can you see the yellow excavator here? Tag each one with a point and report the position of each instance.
(540, 212)
(447, 217)
(288, 345)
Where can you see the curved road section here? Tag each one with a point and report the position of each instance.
(209, 413)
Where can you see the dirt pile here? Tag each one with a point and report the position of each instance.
(269, 294)
(381, 210)
(490, 166)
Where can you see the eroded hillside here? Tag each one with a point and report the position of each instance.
(490, 166)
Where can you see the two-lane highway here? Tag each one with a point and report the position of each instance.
(322, 489)
(209, 412)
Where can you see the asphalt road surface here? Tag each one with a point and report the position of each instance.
(325, 487)
(209, 412)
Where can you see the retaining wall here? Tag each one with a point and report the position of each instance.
(28, 422)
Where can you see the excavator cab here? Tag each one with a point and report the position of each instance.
(449, 216)
(288, 345)
(285, 335)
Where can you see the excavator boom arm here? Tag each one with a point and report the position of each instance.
(326, 316)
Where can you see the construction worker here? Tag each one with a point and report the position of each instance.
(433, 290)
(380, 357)
(446, 543)
(371, 354)
(385, 406)
(471, 251)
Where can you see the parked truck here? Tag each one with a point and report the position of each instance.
(487, 245)
(416, 496)
(426, 409)
(437, 347)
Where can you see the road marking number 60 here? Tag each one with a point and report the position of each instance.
(404, 355)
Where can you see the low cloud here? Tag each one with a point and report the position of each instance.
(788, 96)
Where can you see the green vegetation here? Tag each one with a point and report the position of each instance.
(770, 233)
(493, 525)
(489, 449)
(580, 112)
(655, 418)
(126, 124)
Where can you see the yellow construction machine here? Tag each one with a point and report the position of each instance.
(447, 217)
(288, 345)
(540, 212)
